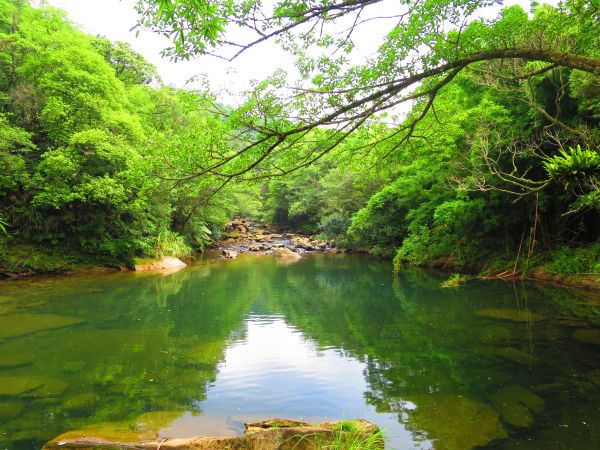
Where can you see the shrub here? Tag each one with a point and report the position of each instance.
(571, 261)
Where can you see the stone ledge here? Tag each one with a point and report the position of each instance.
(272, 434)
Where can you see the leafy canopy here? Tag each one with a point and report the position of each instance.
(426, 45)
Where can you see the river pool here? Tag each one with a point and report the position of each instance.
(486, 365)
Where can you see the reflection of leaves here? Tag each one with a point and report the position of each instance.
(454, 422)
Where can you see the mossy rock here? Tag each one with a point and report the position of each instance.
(515, 315)
(514, 413)
(51, 387)
(145, 427)
(516, 405)
(18, 385)
(9, 409)
(22, 324)
(120, 432)
(81, 403)
(73, 366)
(587, 336)
(454, 422)
(34, 386)
(515, 355)
(14, 360)
(276, 436)
(273, 423)
(492, 334)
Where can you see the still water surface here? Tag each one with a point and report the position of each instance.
(486, 365)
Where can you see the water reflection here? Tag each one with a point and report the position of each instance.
(207, 348)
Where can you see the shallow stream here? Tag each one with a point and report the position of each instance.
(485, 365)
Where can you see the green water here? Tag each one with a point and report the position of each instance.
(205, 349)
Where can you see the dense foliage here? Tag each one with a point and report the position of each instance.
(88, 142)
(496, 165)
(489, 178)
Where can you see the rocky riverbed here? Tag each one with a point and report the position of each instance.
(245, 236)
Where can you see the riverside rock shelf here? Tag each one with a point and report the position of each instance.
(272, 434)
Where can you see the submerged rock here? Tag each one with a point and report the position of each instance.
(516, 315)
(51, 387)
(73, 366)
(273, 434)
(515, 355)
(587, 336)
(17, 385)
(455, 422)
(516, 405)
(286, 254)
(492, 334)
(144, 428)
(513, 413)
(14, 360)
(33, 386)
(13, 325)
(10, 409)
(81, 403)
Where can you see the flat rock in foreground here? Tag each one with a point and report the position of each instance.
(272, 434)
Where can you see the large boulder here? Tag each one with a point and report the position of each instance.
(168, 263)
(239, 226)
(304, 243)
(229, 254)
(286, 254)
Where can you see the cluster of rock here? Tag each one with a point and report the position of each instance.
(520, 405)
(243, 236)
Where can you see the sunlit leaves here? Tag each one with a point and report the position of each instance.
(192, 25)
(573, 164)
